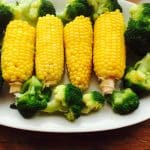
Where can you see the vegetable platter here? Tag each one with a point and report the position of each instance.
(74, 66)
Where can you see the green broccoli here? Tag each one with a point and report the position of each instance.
(67, 99)
(104, 6)
(5, 15)
(40, 8)
(141, 12)
(76, 8)
(123, 101)
(93, 101)
(137, 34)
(138, 77)
(10, 11)
(32, 97)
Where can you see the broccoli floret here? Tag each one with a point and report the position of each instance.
(76, 8)
(32, 97)
(10, 11)
(137, 34)
(67, 99)
(138, 77)
(124, 101)
(40, 8)
(106, 5)
(141, 12)
(93, 101)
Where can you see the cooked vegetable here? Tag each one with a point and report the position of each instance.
(93, 101)
(5, 15)
(109, 49)
(141, 12)
(78, 44)
(40, 8)
(49, 50)
(88, 8)
(105, 6)
(67, 99)
(138, 31)
(138, 77)
(124, 101)
(10, 11)
(76, 8)
(32, 98)
(18, 53)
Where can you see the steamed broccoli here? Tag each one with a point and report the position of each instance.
(104, 6)
(40, 8)
(88, 8)
(93, 101)
(67, 99)
(76, 8)
(138, 77)
(123, 101)
(32, 97)
(10, 11)
(137, 34)
(141, 12)
(5, 15)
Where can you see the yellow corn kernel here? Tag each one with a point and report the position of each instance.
(109, 48)
(49, 50)
(18, 53)
(78, 37)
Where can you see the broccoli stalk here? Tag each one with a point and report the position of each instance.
(93, 101)
(32, 97)
(137, 34)
(138, 77)
(123, 101)
(40, 8)
(67, 99)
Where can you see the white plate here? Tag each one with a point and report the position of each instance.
(105, 119)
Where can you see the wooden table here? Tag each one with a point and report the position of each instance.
(131, 138)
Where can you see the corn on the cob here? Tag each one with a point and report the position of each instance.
(18, 53)
(49, 50)
(78, 37)
(109, 49)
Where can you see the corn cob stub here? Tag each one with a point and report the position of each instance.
(78, 37)
(18, 53)
(109, 49)
(49, 50)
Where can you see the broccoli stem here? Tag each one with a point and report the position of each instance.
(53, 106)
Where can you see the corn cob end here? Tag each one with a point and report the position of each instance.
(107, 86)
(50, 83)
(15, 87)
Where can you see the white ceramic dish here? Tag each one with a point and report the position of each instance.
(105, 119)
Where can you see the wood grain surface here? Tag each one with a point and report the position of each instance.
(130, 138)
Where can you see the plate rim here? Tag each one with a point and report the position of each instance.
(77, 130)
